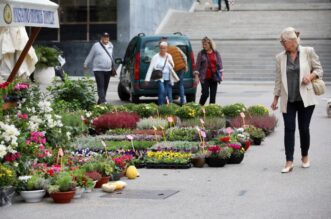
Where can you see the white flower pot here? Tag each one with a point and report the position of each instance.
(44, 76)
(33, 196)
(79, 192)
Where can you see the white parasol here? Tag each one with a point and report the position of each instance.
(16, 54)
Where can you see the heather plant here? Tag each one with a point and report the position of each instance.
(181, 134)
(168, 110)
(213, 110)
(210, 123)
(186, 112)
(115, 120)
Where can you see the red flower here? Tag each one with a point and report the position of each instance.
(247, 145)
(214, 149)
(225, 139)
(11, 157)
(4, 85)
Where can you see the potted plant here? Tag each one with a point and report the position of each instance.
(217, 156)
(105, 167)
(32, 188)
(198, 159)
(257, 135)
(237, 153)
(47, 60)
(7, 182)
(95, 177)
(62, 187)
(82, 182)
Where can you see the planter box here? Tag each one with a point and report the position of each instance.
(168, 166)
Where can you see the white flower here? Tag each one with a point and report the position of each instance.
(11, 150)
(24, 178)
(88, 114)
(68, 135)
(3, 151)
(45, 106)
(241, 130)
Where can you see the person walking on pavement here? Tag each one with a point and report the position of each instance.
(226, 3)
(100, 56)
(208, 62)
(162, 61)
(296, 67)
(180, 61)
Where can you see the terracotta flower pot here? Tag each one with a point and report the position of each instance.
(198, 161)
(103, 180)
(62, 197)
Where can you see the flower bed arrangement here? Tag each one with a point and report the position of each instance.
(168, 159)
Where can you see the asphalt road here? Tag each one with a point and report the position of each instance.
(253, 189)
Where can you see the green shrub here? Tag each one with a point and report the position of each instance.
(81, 92)
(138, 145)
(233, 110)
(258, 110)
(177, 145)
(145, 110)
(36, 182)
(168, 110)
(149, 123)
(186, 112)
(197, 107)
(47, 56)
(74, 124)
(98, 110)
(214, 110)
(211, 123)
(181, 134)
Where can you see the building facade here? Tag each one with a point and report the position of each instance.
(82, 22)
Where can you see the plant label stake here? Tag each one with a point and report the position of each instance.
(158, 113)
(171, 121)
(60, 154)
(199, 133)
(167, 99)
(105, 146)
(163, 133)
(202, 123)
(130, 137)
(154, 128)
(242, 115)
(203, 135)
(204, 113)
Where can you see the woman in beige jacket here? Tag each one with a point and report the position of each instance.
(296, 67)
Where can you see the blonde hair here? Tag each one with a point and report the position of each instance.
(290, 33)
(210, 42)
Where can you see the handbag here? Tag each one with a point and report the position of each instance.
(158, 74)
(318, 86)
(113, 72)
(216, 76)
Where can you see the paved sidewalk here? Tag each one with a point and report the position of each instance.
(253, 189)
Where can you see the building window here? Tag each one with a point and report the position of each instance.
(83, 20)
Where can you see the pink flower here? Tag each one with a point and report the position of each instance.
(22, 116)
(21, 86)
(234, 146)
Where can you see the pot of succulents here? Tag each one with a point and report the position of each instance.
(62, 188)
(105, 167)
(217, 156)
(82, 182)
(95, 177)
(237, 153)
(257, 135)
(7, 182)
(47, 60)
(32, 188)
(198, 159)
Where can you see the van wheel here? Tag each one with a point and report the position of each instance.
(190, 97)
(135, 99)
(123, 93)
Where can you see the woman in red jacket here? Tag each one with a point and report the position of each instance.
(208, 62)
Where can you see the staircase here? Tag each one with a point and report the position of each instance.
(248, 36)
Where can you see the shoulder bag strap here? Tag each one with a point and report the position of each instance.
(112, 61)
(165, 62)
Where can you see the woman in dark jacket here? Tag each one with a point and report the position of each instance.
(208, 62)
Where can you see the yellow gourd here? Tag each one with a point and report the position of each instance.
(131, 172)
(108, 187)
(119, 185)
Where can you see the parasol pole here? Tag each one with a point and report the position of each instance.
(34, 34)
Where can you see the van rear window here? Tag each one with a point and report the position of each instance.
(150, 48)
